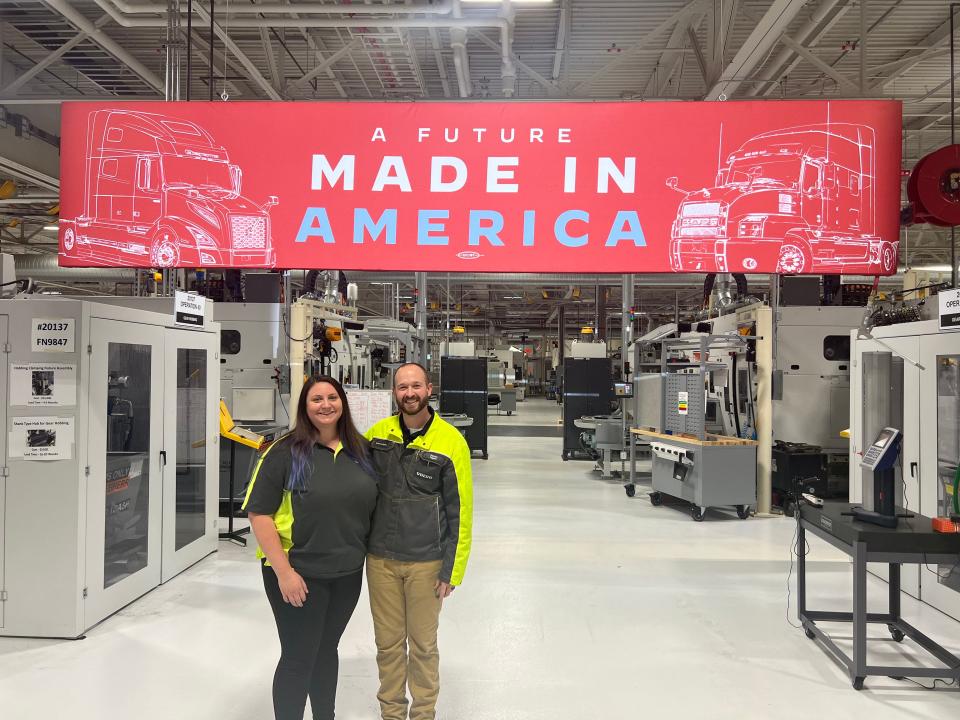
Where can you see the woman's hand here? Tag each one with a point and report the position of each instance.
(292, 587)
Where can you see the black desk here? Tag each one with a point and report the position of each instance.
(913, 541)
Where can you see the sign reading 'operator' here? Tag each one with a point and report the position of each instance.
(788, 187)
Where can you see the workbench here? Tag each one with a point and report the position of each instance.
(716, 471)
(912, 541)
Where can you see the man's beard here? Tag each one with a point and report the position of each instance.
(405, 407)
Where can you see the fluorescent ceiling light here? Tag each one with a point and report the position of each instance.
(513, 297)
(51, 227)
(932, 268)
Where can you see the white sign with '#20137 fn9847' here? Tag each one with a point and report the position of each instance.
(949, 310)
(52, 335)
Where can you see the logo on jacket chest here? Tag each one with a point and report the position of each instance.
(423, 475)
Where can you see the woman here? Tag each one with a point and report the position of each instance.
(310, 502)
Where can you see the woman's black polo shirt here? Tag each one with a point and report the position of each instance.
(325, 528)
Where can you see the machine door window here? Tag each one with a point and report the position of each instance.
(948, 450)
(191, 422)
(127, 511)
(836, 348)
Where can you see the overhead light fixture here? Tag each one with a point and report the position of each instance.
(513, 297)
(51, 227)
(932, 268)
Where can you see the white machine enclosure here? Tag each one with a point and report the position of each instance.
(253, 362)
(931, 437)
(581, 349)
(811, 397)
(132, 500)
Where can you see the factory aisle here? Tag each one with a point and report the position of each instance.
(579, 604)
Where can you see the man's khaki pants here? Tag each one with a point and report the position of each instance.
(406, 611)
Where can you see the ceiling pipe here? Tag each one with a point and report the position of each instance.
(508, 71)
(110, 7)
(461, 60)
(45, 268)
(440, 7)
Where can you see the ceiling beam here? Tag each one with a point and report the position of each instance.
(679, 16)
(79, 21)
(25, 77)
(551, 88)
(846, 82)
(441, 63)
(271, 56)
(936, 37)
(330, 61)
(563, 27)
(823, 18)
(672, 57)
(766, 33)
(251, 70)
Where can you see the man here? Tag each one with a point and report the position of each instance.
(419, 542)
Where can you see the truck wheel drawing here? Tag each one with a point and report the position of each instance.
(804, 196)
(161, 192)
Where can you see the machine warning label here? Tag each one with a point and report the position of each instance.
(683, 402)
(52, 335)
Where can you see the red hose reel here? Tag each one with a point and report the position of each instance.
(934, 188)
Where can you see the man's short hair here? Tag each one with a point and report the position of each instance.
(426, 373)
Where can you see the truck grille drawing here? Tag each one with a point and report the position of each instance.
(801, 197)
(160, 192)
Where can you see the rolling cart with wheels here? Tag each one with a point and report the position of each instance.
(715, 472)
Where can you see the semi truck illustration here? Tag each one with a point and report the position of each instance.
(161, 192)
(802, 198)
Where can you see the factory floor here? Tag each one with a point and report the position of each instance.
(578, 604)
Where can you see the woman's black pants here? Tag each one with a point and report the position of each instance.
(309, 637)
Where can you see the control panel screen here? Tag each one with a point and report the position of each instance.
(624, 390)
(883, 438)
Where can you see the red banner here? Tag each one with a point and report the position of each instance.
(781, 186)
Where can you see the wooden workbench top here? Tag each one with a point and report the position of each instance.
(711, 439)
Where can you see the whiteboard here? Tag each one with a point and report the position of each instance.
(369, 406)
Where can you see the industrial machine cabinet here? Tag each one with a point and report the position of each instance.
(464, 390)
(714, 472)
(801, 465)
(587, 391)
(110, 442)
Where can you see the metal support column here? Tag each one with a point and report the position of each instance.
(859, 665)
(626, 324)
(171, 83)
(953, 141)
(420, 279)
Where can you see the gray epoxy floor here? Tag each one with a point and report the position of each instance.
(579, 603)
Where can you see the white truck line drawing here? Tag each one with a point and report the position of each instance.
(161, 192)
(800, 198)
